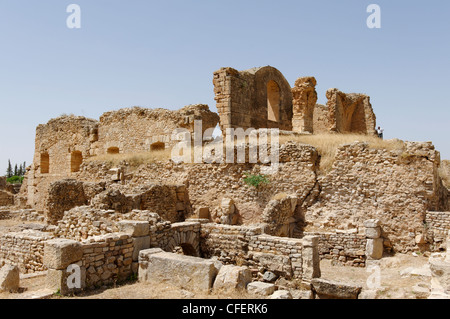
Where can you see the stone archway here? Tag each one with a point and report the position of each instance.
(45, 163)
(273, 101)
(113, 150)
(184, 240)
(76, 159)
(158, 146)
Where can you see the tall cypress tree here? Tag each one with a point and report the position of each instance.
(9, 171)
(16, 170)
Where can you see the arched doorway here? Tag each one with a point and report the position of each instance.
(76, 159)
(45, 163)
(113, 150)
(158, 146)
(273, 101)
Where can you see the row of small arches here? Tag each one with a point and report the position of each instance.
(76, 157)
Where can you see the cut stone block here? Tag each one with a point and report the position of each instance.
(233, 277)
(327, 289)
(9, 278)
(176, 270)
(134, 228)
(261, 288)
(372, 223)
(373, 233)
(374, 248)
(60, 253)
(140, 243)
(281, 294)
(66, 282)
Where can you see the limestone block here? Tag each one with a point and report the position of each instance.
(269, 276)
(373, 233)
(134, 228)
(140, 243)
(310, 258)
(261, 288)
(374, 248)
(281, 294)
(327, 289)
(372, 223)
(421, 239)
(310, 241)
(60, 253)
(440, 271)
(227, 205)
(65, 281)
(232, 277)
(176, 270)
(9, 278)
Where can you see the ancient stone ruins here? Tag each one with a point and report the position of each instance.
(200, 225)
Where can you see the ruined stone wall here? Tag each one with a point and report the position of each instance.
(107, 259)
(208, 184)
(350, 113)
(438, 226)
(304, 101)
(255, 98)
(320, 119)
(61, 146)
(346, 248)
(396, 187)
(26, 250)
(246, 245)
(140, 129)
(6, 198)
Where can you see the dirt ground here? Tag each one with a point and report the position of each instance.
(392, 284)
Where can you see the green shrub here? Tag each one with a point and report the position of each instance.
(15, 180)
(255, 180)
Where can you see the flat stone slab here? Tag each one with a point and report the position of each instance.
(176, 270)
(327, 289)
(261, 288)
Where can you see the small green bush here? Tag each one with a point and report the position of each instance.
(255, 180)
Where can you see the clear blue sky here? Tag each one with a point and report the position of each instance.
(163, 54)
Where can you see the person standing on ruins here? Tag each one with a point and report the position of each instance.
(380, 132)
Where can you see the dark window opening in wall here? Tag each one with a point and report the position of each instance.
(76, 159)
(45, 163)
(113, 150)
(189, 250)
(273, 101)
(158, 146)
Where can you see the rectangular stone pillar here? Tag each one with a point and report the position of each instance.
(66, 273)
(374, 246)
(311, 258)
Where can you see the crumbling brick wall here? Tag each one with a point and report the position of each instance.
(255, 98)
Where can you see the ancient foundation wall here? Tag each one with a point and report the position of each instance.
(438, 226)
(26, 250)
(248, 246)
(342, 247)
